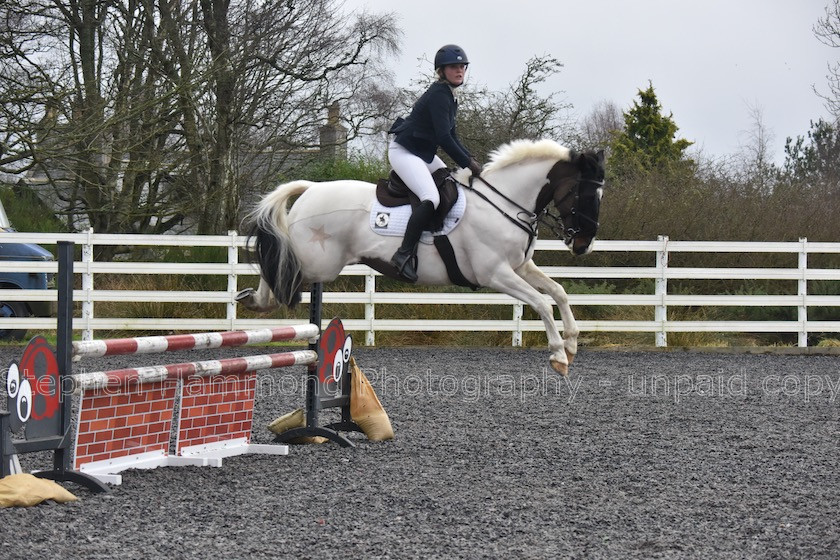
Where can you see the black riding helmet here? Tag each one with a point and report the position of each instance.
(450, 54)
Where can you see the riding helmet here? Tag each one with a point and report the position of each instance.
(450, 54)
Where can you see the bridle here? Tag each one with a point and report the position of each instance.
(529, 221)
(576, 221)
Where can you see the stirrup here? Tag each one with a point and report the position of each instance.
(406, 264)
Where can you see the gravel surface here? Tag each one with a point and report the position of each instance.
(635, 455)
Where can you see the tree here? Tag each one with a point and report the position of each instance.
(827, 31)
(648, 139)
(806, 197)
(600, 126)
(488, 119)
(756, 170)
(652, 184)
(159, 115)
(814, 163)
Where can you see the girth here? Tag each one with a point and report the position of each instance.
(393, 192)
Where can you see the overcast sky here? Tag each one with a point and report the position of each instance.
(711, 62)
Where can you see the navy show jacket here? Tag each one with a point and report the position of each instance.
(430, 125)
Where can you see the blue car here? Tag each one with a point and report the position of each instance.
(22, 280)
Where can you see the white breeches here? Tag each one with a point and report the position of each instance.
(416, 173)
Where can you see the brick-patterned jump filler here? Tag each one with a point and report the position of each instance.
(126, 416)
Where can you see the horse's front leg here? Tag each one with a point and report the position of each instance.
(538, 279)
(509, 282)
(261, 299)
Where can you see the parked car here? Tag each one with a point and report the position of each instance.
(22, 280)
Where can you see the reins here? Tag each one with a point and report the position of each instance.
(529, 223)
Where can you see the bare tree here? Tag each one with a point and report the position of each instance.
(488, 119)
(154, 115)
(827, 31)
(754, 160)
(598, 128)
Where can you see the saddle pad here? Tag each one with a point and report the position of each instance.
(393, 220)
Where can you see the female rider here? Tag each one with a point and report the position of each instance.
(412, 151)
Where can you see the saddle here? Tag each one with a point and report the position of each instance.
(393, 192)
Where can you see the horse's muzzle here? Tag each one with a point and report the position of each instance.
(581, 246)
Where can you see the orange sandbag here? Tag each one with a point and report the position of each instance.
(365, 408)
(26, 490)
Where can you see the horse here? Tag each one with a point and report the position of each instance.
(327, 228)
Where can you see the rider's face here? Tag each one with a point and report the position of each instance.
(454, 73)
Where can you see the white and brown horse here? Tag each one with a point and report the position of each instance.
(328, 228)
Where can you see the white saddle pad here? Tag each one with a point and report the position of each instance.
(393, 221)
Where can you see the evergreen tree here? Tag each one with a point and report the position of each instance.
(815, 161)
(647, 142)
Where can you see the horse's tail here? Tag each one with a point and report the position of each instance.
(280, 267)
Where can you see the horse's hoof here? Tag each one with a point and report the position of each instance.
(570, 357)
(243, 295)
(559, 367)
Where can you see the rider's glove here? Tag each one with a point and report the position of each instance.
(474, 166)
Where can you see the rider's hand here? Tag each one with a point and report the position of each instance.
(474, 166)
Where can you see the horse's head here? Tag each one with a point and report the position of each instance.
(575, 187)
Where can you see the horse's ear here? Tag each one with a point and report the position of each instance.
(601, 155)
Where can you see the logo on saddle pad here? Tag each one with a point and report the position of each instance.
(392, 220)
(381, 220)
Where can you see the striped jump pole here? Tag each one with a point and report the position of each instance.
(229, 366)
(195, 341)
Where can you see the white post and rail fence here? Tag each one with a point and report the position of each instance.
(795, 281)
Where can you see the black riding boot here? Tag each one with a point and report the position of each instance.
(405, 259)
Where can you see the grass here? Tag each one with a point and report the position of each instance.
(829, 343)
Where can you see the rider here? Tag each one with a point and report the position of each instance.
(412, 151)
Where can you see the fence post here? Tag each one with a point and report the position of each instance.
(370, 307)
(516, 338)
(802, 292)
(87, 286)
(661, 314)
(232, 285)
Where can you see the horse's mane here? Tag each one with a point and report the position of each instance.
(519, 150)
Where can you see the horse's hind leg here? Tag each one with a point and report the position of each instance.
(509, 282)
(538, 279)
(261, 299)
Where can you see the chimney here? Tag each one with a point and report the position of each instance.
(333, 136)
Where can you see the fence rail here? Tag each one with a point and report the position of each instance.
(659, 301)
